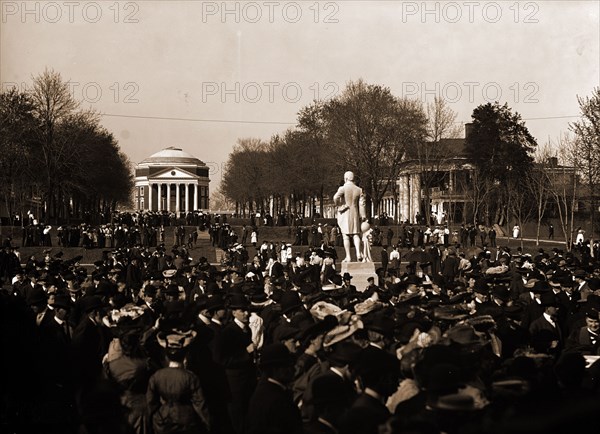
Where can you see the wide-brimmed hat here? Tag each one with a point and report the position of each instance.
(127, 314)
(464, 334)
(343, 331)
(175, 339)
(169, 273)
(458, 402)
(311, 331)
(275, 354)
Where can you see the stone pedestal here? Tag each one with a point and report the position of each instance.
(360, 272)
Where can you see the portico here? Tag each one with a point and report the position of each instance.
(173, 181)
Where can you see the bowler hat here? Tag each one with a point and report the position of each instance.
(285, 332)
(215, 303)
(239, 301)
(289, 301)
(592, 313)
(91, 303)
(548, 299)
(343, 352)
(36, 296)
(541, 287)
(61, 301)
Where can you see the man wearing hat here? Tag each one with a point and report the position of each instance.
(56, 342)
(329, 405)
(582, 286)
(339, 358)
(271, 408)
(311, 341)
(235, 351)
(586, 339)
(549, 321)
(89, 342)
(379, 373)
(215, 307)
(38, 303)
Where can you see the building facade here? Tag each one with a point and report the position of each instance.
(171, 180)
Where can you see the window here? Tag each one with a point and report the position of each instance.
(142, 191)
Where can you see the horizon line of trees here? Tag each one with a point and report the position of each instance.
(366, 130)
(56, 156)
(371, 132)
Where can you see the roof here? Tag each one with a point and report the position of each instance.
(450, 148)
(172, 155)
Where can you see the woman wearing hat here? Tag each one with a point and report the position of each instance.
(175, 399)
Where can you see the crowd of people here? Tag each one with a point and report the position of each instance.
(153, 341)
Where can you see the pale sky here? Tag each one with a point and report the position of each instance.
(199, 75)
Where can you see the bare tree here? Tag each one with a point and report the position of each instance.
(434, 155)
(587, 149)
(564, 186)
(538, 183)
(373, 128)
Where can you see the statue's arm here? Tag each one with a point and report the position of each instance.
(362, 205)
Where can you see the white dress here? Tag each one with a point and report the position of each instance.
(516, 231)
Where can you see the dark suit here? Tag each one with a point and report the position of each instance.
(230, 352)
(272, 411)
(581, 340)
(212, 377)
(55, 350)
(542, 324)
(450, 268)
(365, 416)
(89, 345)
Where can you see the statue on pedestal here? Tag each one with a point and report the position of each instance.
(350, 201)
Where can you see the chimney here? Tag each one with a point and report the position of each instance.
(468, 129)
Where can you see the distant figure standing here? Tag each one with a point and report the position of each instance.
(516, 232)
(579, 239)
(550, 231)
(351, 209)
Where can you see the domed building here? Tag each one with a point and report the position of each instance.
(171, 180)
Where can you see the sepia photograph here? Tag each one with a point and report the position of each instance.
(299, 217)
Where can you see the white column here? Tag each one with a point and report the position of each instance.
(149, 196)
(196, 190)
(177, 198)
(159, 196)
(169, 196)
(187, 197)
